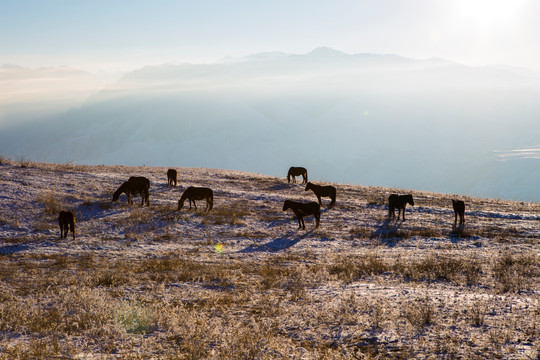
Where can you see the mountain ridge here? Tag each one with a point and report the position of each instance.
(426, 120)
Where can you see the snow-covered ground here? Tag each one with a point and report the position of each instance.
(356, 286)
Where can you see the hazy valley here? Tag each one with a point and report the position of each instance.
(365, 119)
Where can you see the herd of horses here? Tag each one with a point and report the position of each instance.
(139, 185)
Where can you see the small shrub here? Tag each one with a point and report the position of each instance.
(48, 200)
(350, 268)
(511, 272)
(420, 312)
(477, 312)
(133, 318)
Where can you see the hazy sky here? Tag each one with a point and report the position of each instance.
(126, 34)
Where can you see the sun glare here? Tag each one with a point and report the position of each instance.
(490, 14)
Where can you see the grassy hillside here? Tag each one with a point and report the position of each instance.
(242, 282)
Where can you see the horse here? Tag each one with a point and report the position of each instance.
(134, 186)
(297, 171)
(140, 179)
(323, 191)
(197, 193)
(171, 177)
(398, 202)
(66, 221)
(459, 209)
(304, 209)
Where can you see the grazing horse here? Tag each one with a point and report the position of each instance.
(398, 202)
(171, 177)
(304, 209)
(140, 179)
(134, 186)
(323, 191)
(297, 171)
(459, 209)
(66, 220)
(197, 193)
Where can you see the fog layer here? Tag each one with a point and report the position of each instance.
(366, 119)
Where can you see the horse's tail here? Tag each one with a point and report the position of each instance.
(211, 201)
(73, 226)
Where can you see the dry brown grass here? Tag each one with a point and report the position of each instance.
(147, 282)
(50, 202)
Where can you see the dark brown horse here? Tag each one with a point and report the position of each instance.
(66, 221)
(459, 209)
(197, 193)
(171, 177)
(398, 202)
(304, 209)
(136, 185)
(323, 191)
(297, 171)
(140, 179)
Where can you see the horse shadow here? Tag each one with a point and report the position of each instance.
(458, 232)
(280, 186)
(388, 231)
(276, 245)
(95, 210)
(13, 249)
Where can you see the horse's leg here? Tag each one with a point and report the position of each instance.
(317, 220)
(195, 204)
(402, 210)
(319, 197)
(298, 217)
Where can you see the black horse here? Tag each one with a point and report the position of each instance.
(171, 177)
(304, 209)
(398, 202)
(66, 221)
(297, 171)
(197, 193)
(140, 179)
(323, 191)
(136, 185)
(459, 209)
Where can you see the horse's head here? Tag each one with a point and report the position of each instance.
(410, 199)
(120, 190)
(116, 195)
(286, 205)
(180, 204)
(309, 186)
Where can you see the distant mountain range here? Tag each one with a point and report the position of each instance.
(366, 118)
